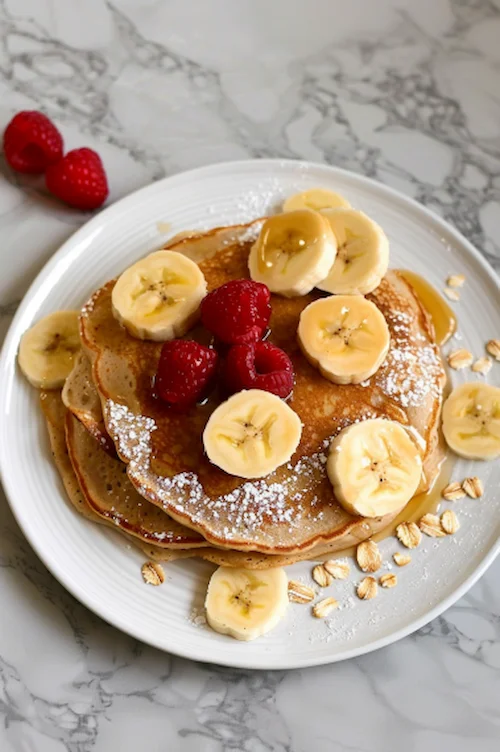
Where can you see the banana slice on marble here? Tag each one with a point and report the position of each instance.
(375, 467)
(158, 298)
(246, 604)
(293, 252)
(362, 253)
(345, 336)
(316, 199)
(47, 350)
(251, 434)
(471, 421)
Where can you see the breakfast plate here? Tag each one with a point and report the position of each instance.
(94, 564)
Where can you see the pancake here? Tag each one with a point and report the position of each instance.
(110, 494)
(79, 396)
(55, 412)
(292, 510)
(56, 416)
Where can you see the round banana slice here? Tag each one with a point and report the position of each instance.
(159, 297)
(251, 434)
(293, 252)
(246, 604)
(362, 253)
(48, 349)
(345, 336)
(317, 199)
(471, 421)
(374, 467)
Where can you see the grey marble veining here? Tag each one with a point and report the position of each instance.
(406, 92)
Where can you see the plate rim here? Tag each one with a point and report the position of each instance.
(7, 361)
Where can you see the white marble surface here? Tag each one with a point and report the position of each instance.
(404, 91)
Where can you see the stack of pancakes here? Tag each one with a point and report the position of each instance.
(129, 461)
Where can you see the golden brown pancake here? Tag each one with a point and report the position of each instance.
(56, 415)
(79, 396)
(110, 494)
(293, 509)
(55, 412)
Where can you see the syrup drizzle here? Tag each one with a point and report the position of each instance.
(443, 318)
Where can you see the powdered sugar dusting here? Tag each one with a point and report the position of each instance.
(133, 443)
(264, 198)
(131, 433)
(251, 233)
(409, 372)
(89, 305)
(252, 507)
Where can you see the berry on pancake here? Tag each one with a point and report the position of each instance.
(185, 372)
(260, 365)
(237, 312)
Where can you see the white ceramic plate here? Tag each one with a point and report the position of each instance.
(104, 573)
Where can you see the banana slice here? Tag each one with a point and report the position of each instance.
(159, 297)
(293, 252)
(374, 467)
(47, 350)
(251, 434)
(362, 253)
(345, 336)
(317, 199)
(246, 604)
(471, 421)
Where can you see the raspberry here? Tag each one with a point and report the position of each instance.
(31, 142)
(79, 179)
(185, 372)
(237, 312)
(259, 365)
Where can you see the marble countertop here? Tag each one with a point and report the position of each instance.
(406, 92)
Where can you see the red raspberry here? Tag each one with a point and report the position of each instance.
(237, 312)
(31, 142)
(185, 372)
(259, 365)
(79, 179)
